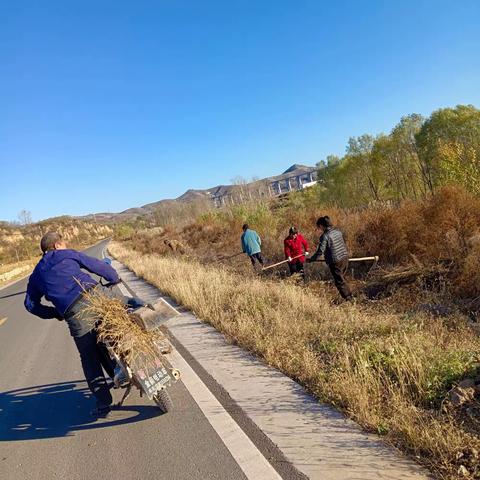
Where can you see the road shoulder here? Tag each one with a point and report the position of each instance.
(317, 440)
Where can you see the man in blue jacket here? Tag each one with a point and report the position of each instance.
(252, 244)
(60, 279)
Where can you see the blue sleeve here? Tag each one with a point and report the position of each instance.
(259, 240)
(33, 302)
(94, 265)
(243, 243)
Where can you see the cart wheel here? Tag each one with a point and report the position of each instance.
(163, 400)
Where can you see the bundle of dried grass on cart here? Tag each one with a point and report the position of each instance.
(121, 330)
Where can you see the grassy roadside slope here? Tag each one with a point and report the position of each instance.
(389, 372)
(20, 245)
(14, 271)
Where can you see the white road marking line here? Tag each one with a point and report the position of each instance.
(3, 320)
(253, 464)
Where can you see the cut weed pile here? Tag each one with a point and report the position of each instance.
(391, 373)
(117, 327)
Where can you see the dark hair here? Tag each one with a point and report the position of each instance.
(293, 231)
(245, 226)
(49, 240)
(324, 222)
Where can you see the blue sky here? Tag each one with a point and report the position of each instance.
(110, 105)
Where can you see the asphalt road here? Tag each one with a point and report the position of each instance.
(46, 430)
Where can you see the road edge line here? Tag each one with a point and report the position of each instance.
(243, 450)
(248, 457)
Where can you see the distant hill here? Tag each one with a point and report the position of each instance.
(291, 179)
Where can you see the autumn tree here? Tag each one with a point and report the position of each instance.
(24, 217)
(444, 129)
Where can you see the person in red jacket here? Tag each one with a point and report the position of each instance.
(296, 249)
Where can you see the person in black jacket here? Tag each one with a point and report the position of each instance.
(332, 247)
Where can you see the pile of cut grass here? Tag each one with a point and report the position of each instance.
(115, 326)
(389, 372)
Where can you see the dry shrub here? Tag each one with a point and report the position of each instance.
(434, 229)
(389, 372)
(162, 240)
(429, 246)
(432, 239)
(468, 284)
(116, 326)
(207, 238)
(387, 232)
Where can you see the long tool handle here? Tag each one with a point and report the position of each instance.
(281, 263)
(358, 259)
(363, 259)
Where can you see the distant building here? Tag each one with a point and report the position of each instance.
(297, 177)
(293, 179)
(309, 184)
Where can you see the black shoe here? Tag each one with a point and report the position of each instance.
(101, 412)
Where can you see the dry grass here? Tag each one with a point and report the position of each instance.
(441, 232)
(116, 327)
(23, 242)
(12, 271)
(391, 373)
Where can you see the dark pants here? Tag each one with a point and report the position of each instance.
(94, 356)
(256, 257)
(297, 267)
(339, 269)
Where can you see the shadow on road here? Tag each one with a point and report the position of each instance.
(58, 410)
(13, 294)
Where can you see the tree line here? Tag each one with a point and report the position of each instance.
(413, 160)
